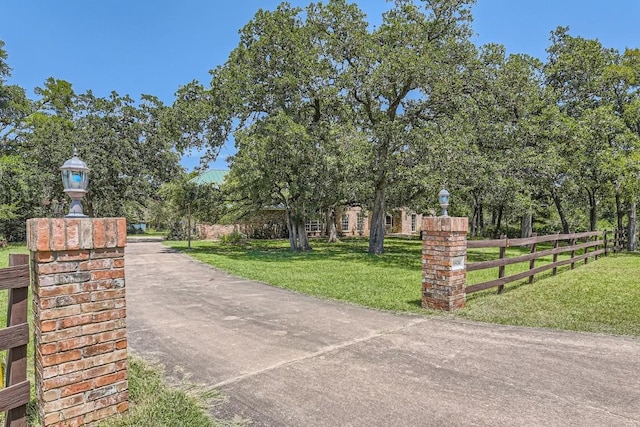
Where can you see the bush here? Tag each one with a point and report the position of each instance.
(235, 238)
(177, 231)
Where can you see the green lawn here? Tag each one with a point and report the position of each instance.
(13, 248)
(341, 271)
(602, 296)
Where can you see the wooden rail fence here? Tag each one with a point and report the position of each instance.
(619, 239)
(14, 338)
(589, 245)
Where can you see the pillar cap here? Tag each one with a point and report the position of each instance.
(69, 234)
(445, 223)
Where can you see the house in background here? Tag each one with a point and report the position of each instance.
(354, 221)
(271, 223)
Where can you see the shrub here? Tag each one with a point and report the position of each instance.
(235, 238)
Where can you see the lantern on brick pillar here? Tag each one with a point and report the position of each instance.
(75, 179)
(443, 198)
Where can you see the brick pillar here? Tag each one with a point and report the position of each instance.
(444, 251)
(79, 318)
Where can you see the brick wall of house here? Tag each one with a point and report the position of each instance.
(405, 217)
(271, 223)
(214, 231)
(79, 318)
(352, 230)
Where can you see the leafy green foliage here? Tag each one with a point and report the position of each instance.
(235, 238)
(301, 83)
(328, 111)
(188, 201)
(128, 147)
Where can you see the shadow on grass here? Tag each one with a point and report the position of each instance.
(415, 302)
(398, 253)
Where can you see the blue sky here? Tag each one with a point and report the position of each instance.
(154, 46)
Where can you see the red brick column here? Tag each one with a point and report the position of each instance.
(79, 318)
(444, 251)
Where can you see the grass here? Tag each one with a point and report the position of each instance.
(154, 232)
(341, 271)
(154, 403)
(12, 248)
(602, 296)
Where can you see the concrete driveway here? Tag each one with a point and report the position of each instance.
(285, 359)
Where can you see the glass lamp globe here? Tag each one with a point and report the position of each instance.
(75, 179)
(443, 198)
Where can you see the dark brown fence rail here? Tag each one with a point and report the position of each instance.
(590, 245)
(14, 338)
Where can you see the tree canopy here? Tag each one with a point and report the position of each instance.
(328, 111)
(128, 146)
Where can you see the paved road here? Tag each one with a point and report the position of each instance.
(285, 359)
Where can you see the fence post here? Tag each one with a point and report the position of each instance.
(532, 263)
(444, 250)
(586, 250)
(79, 318)
(501, 269)
(16, 371)
(556, 244)
(606, 248)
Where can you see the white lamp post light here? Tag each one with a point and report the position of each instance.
(75, 179)
(443, 198)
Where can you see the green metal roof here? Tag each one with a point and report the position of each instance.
(213, 176)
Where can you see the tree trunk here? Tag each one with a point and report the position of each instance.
(91, 212)
(302, 238)
(481, 224)
(189, 230)
(632, 241)
(593, 213)
(376, 225)
(499, 221)
(292, 232)
(474, 221)
(560, 209)
(331, 225)
(619, 211)
(527, 225)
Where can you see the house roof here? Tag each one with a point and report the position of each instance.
(213, 176)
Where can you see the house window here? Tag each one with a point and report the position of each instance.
(345, 222)
(413, 223)
(313, 226)
(389, 220)
(360, 223)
